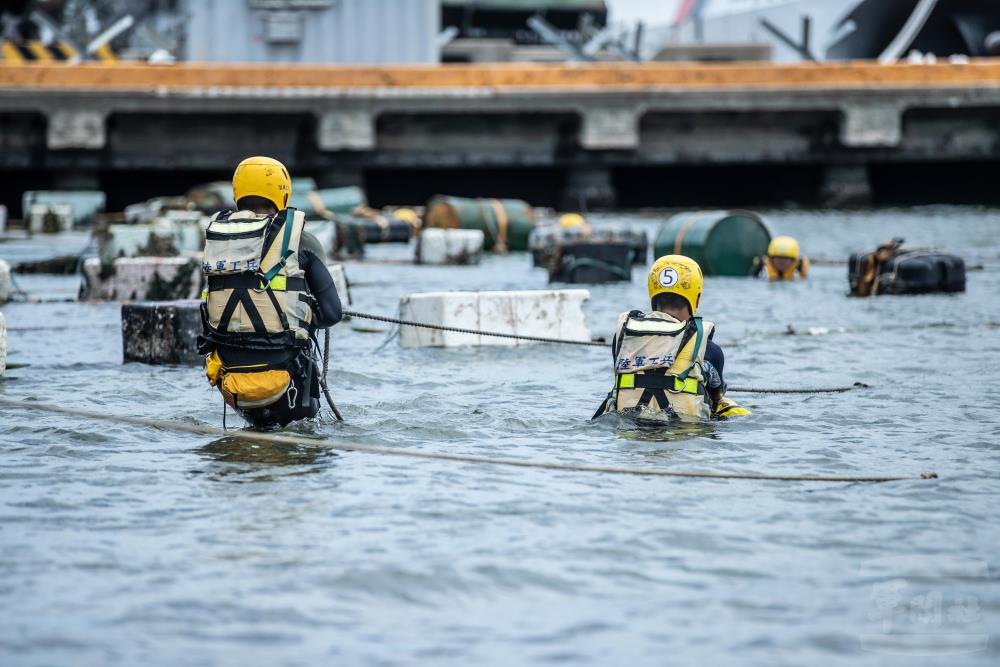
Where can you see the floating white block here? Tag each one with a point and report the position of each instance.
(142, 279)
(161, 238)
(3, 345)
(450, 246)
(3, 219)
(4, 281)
(50, 218)
(339, 276)
(544, 313)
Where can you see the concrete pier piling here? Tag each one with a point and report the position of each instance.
(141, 279)
(161, 332)
(50, 218)
(542, 313)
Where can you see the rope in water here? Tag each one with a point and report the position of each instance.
(275, 438)
(741, 390)
(438, 327)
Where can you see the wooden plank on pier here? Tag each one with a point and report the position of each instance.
(142, 77)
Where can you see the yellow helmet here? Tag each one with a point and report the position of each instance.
(679, 275)
(262, 177)
(407, 215)
(783, 246)
(568, 220)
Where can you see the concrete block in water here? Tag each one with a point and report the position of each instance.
(450, 246)
(142, 279)
(543, 313)
(3, 345)
(4, 281)
(50, 218)
(339, 276)
(163, 332)
(161, 238)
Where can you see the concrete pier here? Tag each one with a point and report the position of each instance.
(593, 126)
(5, 281)
(3, 345)
(141, 279)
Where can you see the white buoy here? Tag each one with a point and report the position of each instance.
(50, 218)
(450, 246)
(541, 313)
(4, 281)
(141, 279)
(3, 345)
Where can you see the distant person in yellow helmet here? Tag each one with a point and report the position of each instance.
(666, 364)
(783, 260)
(267, 292)
(573, 226)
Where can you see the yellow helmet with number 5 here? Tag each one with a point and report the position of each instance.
(783, 246)
(262, 177)
(679, 275)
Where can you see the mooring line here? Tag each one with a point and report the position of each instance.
(495, 334)
(275, 438)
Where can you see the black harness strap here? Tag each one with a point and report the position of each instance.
(250, 281)
(255, 319)
(278, 309)
(227, 312)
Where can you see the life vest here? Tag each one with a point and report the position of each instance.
(801, 266)
(256, 294)
(658, 366)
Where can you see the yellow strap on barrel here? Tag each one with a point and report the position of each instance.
(626, 381)
(679, 239)
(501, 220)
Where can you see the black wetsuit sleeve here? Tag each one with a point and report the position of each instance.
(758, 266)
(328, 308)
(715, 356)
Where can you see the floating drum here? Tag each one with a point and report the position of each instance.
(450, 246)
(540, 313)
(507, 223)
(328, 201)
(353, 232)
(4, 281)
(905, 272)
(724, 243)
(162, 332)
(587, 262)
(141, 279)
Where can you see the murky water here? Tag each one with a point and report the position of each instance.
(128, 545)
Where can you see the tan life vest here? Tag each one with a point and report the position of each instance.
(658, 366)
(256, 295)
(801, 266)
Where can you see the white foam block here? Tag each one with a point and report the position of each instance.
(339, 276)
(142, 279)
(62, 214)
(543, 313)
(4, 281)
(450, 246)
(3, 345)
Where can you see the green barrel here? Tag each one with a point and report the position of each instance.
(507, 223)
(316, 203)
(724, 243)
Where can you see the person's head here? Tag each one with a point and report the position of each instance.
(262, 185)
(674, 284)
(783, 252)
